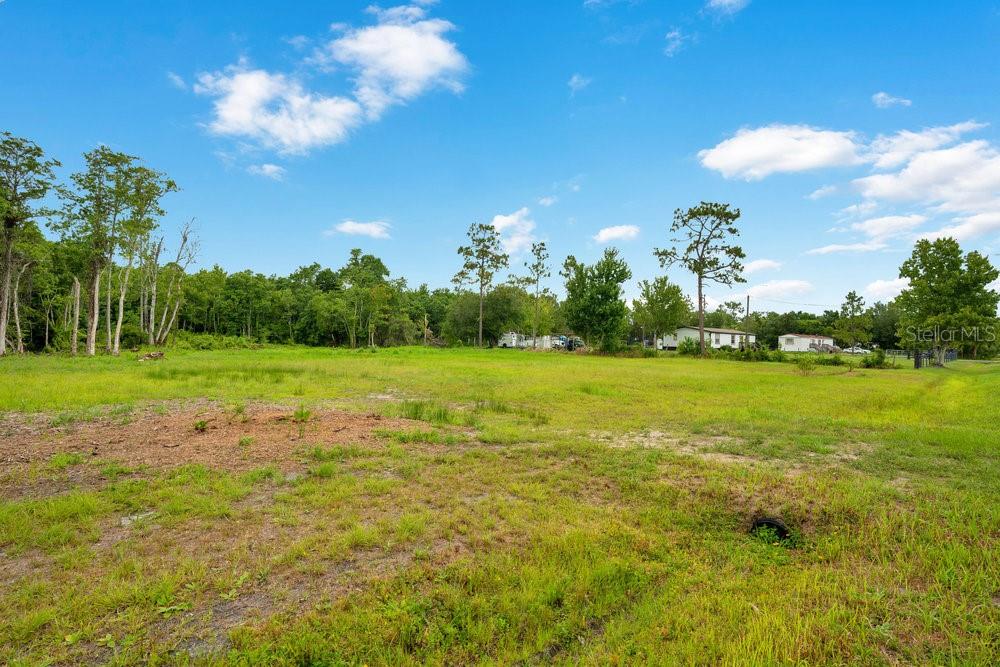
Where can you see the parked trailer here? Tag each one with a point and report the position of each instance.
(511, 339)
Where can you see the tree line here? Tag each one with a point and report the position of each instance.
(104, 277)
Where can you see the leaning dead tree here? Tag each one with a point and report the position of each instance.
(160, 317)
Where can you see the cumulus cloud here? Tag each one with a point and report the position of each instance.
(780, 289)
(893, 150)
(753, 154)
(402, 56)
(969, 227)
(616, 233)
(727, 6)
(761, 265)
(376, 229)
(884, 100)
(516, 230)
(276, 110)
(272, 171)
(886, 290)
(962, 178)
(577, 82)
(889, 226)
(548, 200)
(934, 168)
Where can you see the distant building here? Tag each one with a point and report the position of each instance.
(714, 338)
(794, 342)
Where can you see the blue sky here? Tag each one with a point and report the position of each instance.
(843, 130)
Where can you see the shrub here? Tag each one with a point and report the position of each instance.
(806, 363)
(185, 340)
(830, 360)
(689, 347)
(875, 360)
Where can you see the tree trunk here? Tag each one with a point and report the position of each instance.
(534, 323)
(162, 338)
(116, 349)
(480, 315)
(8, 267)
(48, 316)
(94, 311)
(107, 312)
(17, 309)
(701, 317)
(74, 341)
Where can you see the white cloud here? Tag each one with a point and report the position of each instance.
(753, 154)
(516, 230)
(761, 265)
(866, 246)
(886, 290)
(402, 56)
(859, 209)
(276, 110)
(889, 226)
(398, 59)
(616, 233)
(547, 200)
(376, 229)
(727, 6)
(577, 82)
(969, 227)
(884, 100)
(824, 191)
(893, 150)
(780, 289)
(271, 171)
(963, 178)
(176, 81)
(675, 42)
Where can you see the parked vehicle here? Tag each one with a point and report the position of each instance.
(511, 339)
(857, 349)
(574, 343)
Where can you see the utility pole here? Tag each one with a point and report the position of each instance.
(746, 324)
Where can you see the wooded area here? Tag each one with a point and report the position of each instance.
(106, 267)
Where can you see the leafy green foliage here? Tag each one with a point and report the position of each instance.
(594, 306)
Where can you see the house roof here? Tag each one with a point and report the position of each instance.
(806, 335)
(716, 330)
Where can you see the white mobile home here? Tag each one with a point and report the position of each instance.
(714, 338)
(804, 343)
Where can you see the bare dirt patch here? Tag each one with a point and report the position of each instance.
(259, 435)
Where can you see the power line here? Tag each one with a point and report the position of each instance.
(795, 303)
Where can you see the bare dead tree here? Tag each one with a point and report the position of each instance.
(187, 252)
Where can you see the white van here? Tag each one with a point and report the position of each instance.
(511, 339)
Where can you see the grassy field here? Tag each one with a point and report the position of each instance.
(411, 506)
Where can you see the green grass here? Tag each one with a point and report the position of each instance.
(549, 508)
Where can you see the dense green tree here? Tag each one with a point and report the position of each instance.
(26, 176)
(705, 233)
(885, 324)
(853, 326)
(949, 303)
(594, 307)
(661, 307)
